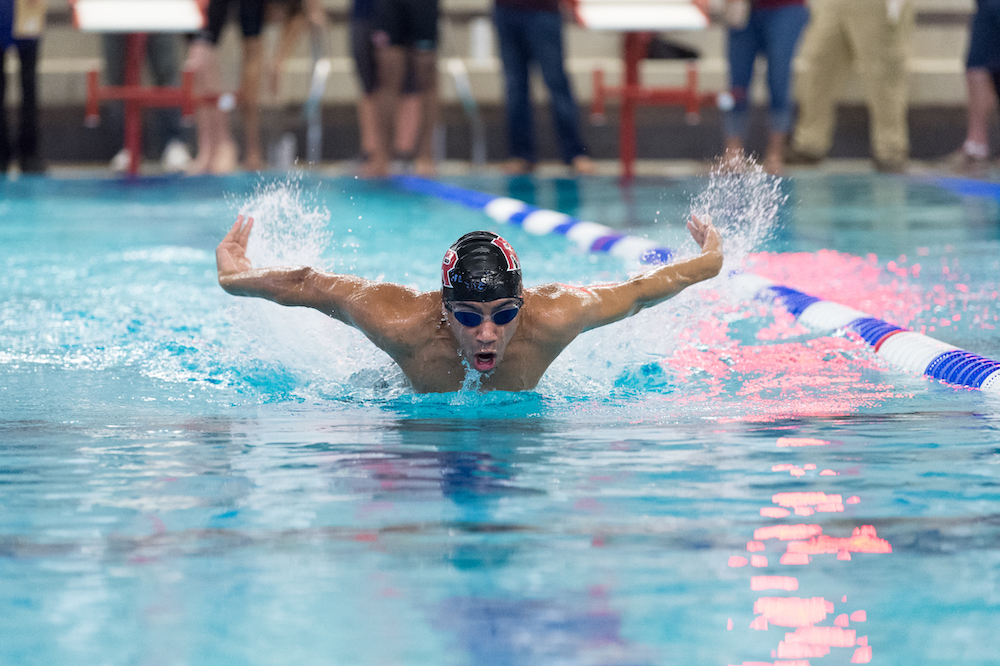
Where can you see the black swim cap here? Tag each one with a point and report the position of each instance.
(480, 267)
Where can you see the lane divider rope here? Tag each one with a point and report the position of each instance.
(904, 349)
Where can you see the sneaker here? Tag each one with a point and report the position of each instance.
(176, 157)
(963, 163)
(120, 162)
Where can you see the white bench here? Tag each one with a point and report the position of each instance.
(640, 15)
(134, 16)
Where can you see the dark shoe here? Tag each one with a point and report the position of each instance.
(794, 157)
(890, 166)
(32, 164)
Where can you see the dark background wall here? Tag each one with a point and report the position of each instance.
(663, 134)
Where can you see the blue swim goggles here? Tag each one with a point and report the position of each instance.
(473, 319)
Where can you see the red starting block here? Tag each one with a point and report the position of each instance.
(640, 21)
(137, 19)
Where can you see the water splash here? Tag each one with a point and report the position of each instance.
(473, 382)
(296, 352)
(290, 228)
(743, 202)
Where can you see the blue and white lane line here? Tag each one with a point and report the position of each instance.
(907, 350)
(539, 221)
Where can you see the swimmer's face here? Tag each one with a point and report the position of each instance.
(483, 330)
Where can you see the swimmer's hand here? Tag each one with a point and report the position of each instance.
(705, 234)
(231, 255)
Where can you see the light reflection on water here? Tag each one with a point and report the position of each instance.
(189, 480)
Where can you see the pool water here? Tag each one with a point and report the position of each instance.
(191, 478)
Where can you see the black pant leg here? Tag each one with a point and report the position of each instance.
(4, 137)
(27, 143)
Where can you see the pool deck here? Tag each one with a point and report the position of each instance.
(608, 168)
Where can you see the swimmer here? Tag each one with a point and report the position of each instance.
(481, 319)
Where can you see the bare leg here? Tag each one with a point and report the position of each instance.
(224, 154)
(215, 142)
(408, 124)
(199, 164)
(733, 149)
(982, 100)
(391, 68)
(253, 59)
(427, 81)
(774, 162)
(368, 124)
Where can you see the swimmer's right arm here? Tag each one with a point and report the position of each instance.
(332, 294)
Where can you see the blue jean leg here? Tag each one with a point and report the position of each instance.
(535, 37)
(774, 32)
(516, 56)
(27, 142)
(742, 50)
(782, 30)
(546, 43)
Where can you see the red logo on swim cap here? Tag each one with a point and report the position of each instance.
(513, 263)
(450, 259)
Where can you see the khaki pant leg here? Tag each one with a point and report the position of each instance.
(882, 46)
(826, 56)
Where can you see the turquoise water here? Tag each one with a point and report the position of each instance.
(190, 478)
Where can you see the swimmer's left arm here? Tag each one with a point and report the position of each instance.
(605, 304)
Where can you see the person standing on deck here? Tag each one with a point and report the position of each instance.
(405, 29)
(481, 319)
(874, 34)
(530, 32)
(408, 112)
(982, 82)
(771, 28)
(216, 148)
(21, 25)
(162, 50)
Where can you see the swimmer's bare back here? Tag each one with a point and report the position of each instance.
(422, 337)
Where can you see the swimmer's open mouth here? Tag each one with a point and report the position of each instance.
(485, 361)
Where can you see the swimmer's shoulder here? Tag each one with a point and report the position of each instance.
(556, 292)
(556, 309)
(395, 310)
